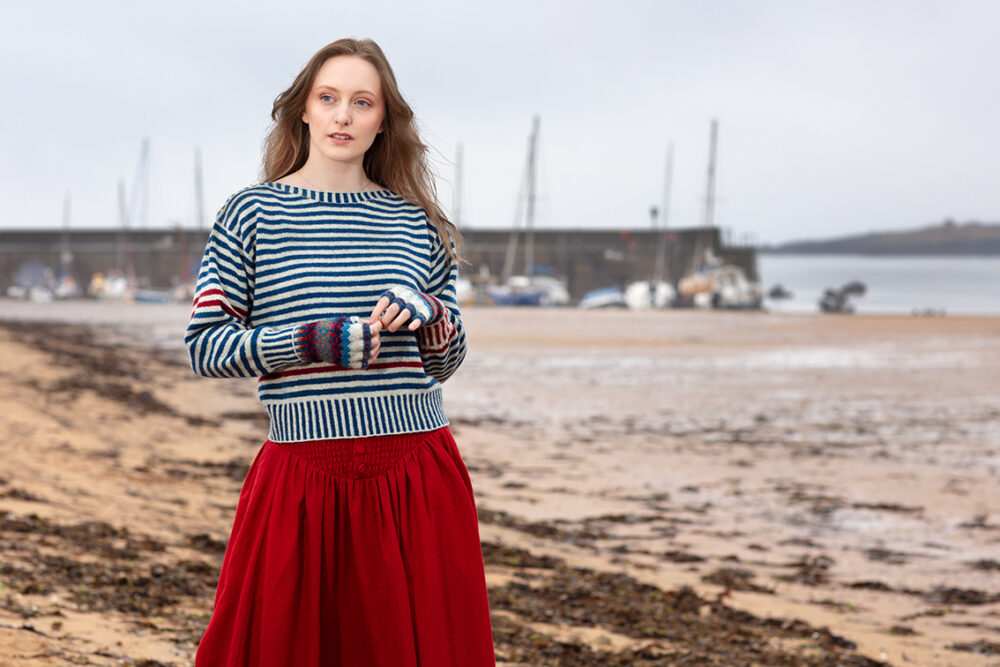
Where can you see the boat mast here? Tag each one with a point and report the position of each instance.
(146, 181)
(508, 258)
(659, 268)
(696, 257)
(66, 254)
(527, 180)
(125, 264)
(529, 222)
(668, 175)
(199, 190)
(710, 186)
(140, 187)
(184, 267)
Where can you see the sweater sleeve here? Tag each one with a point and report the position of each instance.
(218, 338)
(442, 343)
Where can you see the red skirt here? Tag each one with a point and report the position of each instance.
(361, 552)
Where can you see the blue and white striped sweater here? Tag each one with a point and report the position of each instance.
(280, 256)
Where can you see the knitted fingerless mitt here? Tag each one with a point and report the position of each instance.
(344, 341)
(424, 307)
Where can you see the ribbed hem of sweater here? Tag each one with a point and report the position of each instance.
(356, 417)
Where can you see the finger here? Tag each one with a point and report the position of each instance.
(400, 319)
(389, 315)
(416, 324)
(375, 328)
(377, 311)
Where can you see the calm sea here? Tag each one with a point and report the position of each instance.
(969, 285)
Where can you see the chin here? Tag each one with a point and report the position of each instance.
(341, 155)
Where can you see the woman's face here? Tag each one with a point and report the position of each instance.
(344, 110)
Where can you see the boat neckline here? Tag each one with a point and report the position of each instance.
(330, 195)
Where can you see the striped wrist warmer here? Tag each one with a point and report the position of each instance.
(423, 307)
(344, 341)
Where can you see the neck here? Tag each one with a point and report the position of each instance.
(318, 174)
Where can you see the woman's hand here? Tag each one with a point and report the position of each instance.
(389, 315)
(348, 342)
(399, 304)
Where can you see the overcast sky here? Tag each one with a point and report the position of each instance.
(834, 117)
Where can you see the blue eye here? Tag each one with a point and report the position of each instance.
(364, 103)
(326, 98)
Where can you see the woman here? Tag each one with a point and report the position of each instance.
(356, 540)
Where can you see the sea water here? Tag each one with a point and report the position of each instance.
(952, 284)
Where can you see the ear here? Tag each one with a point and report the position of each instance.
(304, 117)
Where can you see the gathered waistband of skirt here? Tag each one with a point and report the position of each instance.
(357, 457)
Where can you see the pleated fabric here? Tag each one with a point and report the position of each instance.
(358, 551)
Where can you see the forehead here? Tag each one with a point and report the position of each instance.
(347, 74)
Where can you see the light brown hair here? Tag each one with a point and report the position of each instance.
(398, 158)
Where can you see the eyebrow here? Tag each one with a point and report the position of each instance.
(334, 89)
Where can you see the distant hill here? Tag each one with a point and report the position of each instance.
(947, 238)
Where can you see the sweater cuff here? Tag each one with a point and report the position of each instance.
(356, 344)
(437, 337)
(438, 310)
(277, 347)
(344, 341)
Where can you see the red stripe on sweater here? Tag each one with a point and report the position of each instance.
(235, 310)
(230, 310)
(438, 336)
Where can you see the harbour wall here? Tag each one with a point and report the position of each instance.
(584, 258)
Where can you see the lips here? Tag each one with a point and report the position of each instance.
(341, 136)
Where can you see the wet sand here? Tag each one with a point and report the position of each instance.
(653, 488)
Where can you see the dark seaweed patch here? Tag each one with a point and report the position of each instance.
(699, 631)
(507, 556)
(735, 579)
(810, 570)
(205, 543)
(94, 537)
(980, 647)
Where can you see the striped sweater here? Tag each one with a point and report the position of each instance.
(280, 256)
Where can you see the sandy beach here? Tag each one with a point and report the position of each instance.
(653, 488)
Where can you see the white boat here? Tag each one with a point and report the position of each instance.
(603, 297)
(464, 291)
(717, 285)
(538, 290)
(646, 294)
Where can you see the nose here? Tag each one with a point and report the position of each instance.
(343, 114)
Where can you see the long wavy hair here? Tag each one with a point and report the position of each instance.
(396, 160)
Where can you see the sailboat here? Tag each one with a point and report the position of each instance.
(718, 285)
(656, 292)
(537, 286)
(714, 284)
